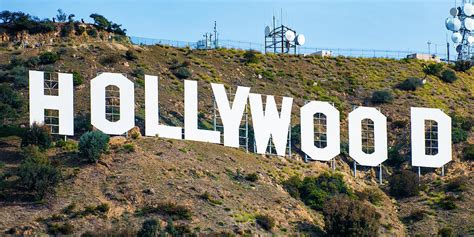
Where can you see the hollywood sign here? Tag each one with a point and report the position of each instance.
(267, 122)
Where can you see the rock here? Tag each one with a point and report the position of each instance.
(149, 191)
(134, 133)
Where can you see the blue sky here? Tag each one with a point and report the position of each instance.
(361, 24)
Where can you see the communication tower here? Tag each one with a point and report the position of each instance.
(210, 40)
(461, 23)
(282, 39)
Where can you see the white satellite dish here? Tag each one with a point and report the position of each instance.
(267, 30)
(300, 39)
(453, 11)
(469, 24)
(290, 35)
(456, 24)
(468, 9)
(449, 23)
(470, 39)
(456, 37)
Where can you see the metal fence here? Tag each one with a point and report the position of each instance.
(234, 44)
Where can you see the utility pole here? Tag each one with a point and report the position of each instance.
(429, 47)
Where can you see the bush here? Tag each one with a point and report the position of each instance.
(130, 55)
(433, 69)
(347, 217)
(380, 97)
(92, 32)
(77, 78)
(10, 97)
(33, 61)
(67, 29)
(128, 147)
(373, 195)
(403, 184)
(395, 159)
(251, 56)
(468, 152)
(447, 203)
(150, 228)
(314, 191)
(36, 173)
(449, 75)
(463, 65)
(79, 29)
(138, 72)
(19, 75)
(48, 58)
(182, 73)
(265, 221)
(57, 229)
(92, 145)
(459, 135)
(410, 84)
(38, 135)
(446, 232)
(172, 210)
(68, 145)
(457, 184)
(110, 60)
(253, 177)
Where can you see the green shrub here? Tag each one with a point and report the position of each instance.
(253, 177)
(138, 72)
(38, 135)
(110, 60)
(433, 69)
(79, 29)
(172, 210)
(48, 58)
(446, 232)
(395, 159)
(251, 56)
(373, 195)
(36, 173)
(449, 75)
(182, 73)
(447, 202)
(403, 184)
(92, 145)
(459, 135)
(468, 152)
(19, 76)
(458, 184)
(77, 78)
(128, 147)
(380, 97)
(67, 29)
(462, 65)
(314, 191)
(150, 228)
(33, 61)
(347, 217)
(130, 55)
(58, 229)
(68, 145)
(410, 84)
(92, 32)
(10, 97)
(265, 221)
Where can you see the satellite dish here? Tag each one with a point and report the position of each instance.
(468, 9)
(470, 39)
(456, 37)
(458, 48)
(469, 24)
(449, 23)
(300, 39)
(453, 11)
(289, 35)
(267, 30)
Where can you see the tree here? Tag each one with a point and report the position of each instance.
(348, 217)
(404, 183)
(61, 16)
(6, 16)
(37, 135)
(92, 145)
(150, 228)
(100, 21)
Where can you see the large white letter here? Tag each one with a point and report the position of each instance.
(269, 123)
(127, 104)
(63, 102)
(418, 154)
(152, 114)
(380, 153)
(333, 137)
(231, 117)
(191, 130)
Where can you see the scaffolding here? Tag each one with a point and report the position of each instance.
(51, 88)
(112, 103)
(243, 128)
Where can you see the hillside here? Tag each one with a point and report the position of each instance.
(207, 182)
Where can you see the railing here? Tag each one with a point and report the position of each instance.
(234, 44)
